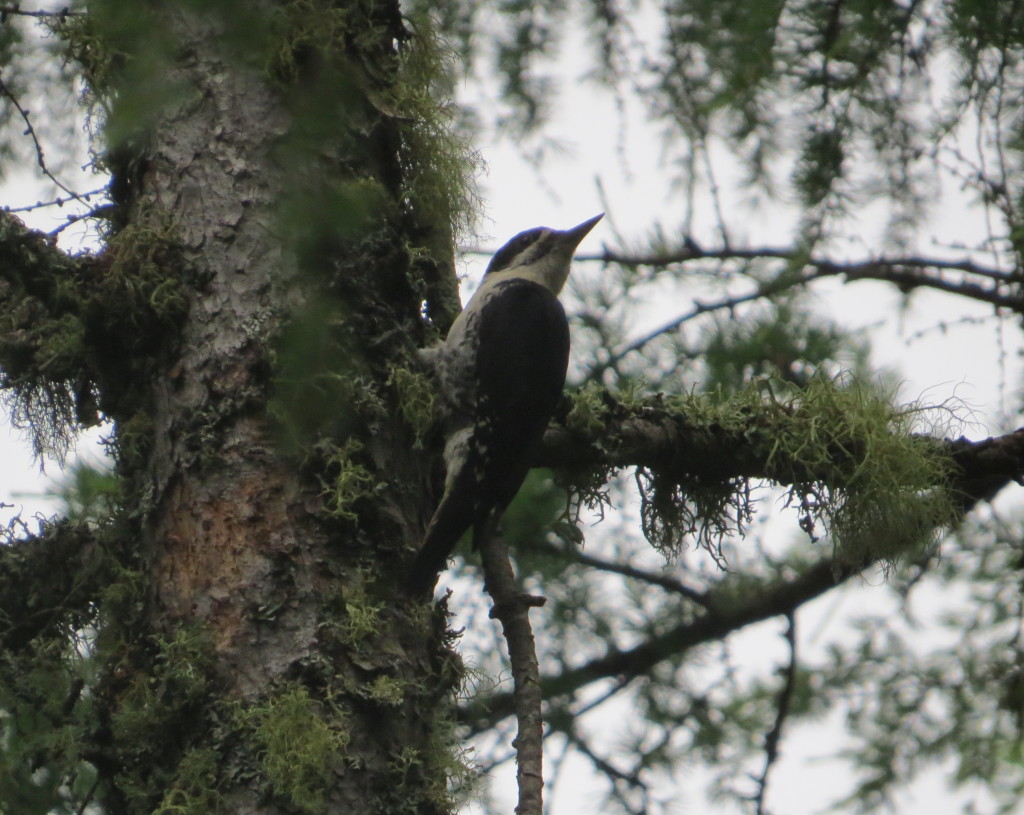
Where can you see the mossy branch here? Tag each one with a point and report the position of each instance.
(74, 329)
(853, 464)
(42, 358)
(65, 566)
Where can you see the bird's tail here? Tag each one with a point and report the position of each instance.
(447, 526)
(443, 533)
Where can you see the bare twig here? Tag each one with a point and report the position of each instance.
(616, 688)
(87, 800)
(632, 779)
(905, 272)
(511, 608)
(670, 584)
(725, 304)
(15, 9)
(57, 202)
(771, 740)
(560, 714)
(31, 133)
(692, 251)
(617, 777)
(99, 212)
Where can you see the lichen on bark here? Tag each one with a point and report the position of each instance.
(246, 197)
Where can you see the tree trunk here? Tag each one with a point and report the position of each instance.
(255, 656)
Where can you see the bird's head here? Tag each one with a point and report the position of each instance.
(540, 254)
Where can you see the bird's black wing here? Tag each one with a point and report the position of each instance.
(522, 352)
(519, 386)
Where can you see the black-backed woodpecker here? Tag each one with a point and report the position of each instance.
(501, 371)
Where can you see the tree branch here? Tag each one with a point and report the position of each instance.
(59, 202)
(28, 253)
(906, 273)
(512, 608)
(772, 739)
(876, 266)
(728, 611)
(63, 566)
(983, 467)
(46, 362)
(15, 8)
(669, 584)
(30, 131)
(616, 777)
(79, 332)
(651, 434)
(648, 433)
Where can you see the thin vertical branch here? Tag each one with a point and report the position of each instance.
(771, 740)
(512, 609)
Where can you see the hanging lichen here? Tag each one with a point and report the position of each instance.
(852, 464)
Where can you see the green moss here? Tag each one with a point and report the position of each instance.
(83, 44)
(411, 71)
(62, 345)
(417, 397)
(77, 337)
(588, 412)
(347, 481)
(304, 27)
(164, 693)
(40, 340)
(877, 489)
(155, 702)
(124, 53)
(46, 413)
(145, 277)
(362, 618)
(133, 441)
(444, 771)
(888, 497)
(386, 691)
(47, 715)
(184, 660)
(194, 791)
(122, 604)
(300, 741)
(439, 162)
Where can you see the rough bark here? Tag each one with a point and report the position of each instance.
(283, 602)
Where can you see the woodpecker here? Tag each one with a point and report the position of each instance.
(501, 371)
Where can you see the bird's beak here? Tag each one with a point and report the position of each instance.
(576, 235)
